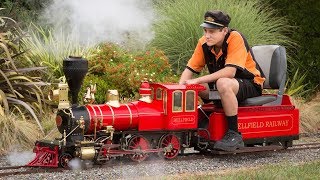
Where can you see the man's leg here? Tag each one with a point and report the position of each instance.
(205, 94)
(233, 91)
(228, 89)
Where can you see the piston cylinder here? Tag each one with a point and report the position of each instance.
(86, 153)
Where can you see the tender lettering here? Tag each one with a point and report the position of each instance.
(183, 120)
(266, 124)
(277, 123)
(251, 125)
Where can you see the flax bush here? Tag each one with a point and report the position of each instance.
(20, 91)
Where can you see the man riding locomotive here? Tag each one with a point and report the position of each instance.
(233, 71)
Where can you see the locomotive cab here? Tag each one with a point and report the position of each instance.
(178, 104)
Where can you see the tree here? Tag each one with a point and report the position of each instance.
(303, 15)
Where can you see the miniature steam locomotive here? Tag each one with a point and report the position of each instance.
(165, 120)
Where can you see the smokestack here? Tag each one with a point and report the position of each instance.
(75, 68)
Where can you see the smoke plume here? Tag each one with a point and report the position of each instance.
(95, 21)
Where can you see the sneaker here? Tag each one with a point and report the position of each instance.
(230, 142)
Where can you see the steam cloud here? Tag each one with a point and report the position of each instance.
(98, 21)
(75, 164)
(16, 158)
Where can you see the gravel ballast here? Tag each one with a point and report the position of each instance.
(183, 165)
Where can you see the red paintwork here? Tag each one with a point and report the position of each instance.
(258, 121)
(143, 116)
(177, 120)
(45, 156)
(121, 118)
(151, 116)
(145, 88)
(254, 121)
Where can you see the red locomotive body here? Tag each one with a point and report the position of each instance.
(254, 121)
(165, 120)
(259, 122)
(121, 118)
(173, 107)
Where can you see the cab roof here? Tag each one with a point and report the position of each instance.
(175, 86)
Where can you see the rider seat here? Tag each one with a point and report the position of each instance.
(273, 63)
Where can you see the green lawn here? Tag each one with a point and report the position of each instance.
(309, 170)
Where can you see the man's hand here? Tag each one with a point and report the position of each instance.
(192, 81)
(189, 81)
(187, 74)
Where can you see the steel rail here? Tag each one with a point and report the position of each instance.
(6, 171)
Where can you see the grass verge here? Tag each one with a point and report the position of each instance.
(308, 170)
(17, 132)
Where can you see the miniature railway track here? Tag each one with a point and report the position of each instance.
(309, 134)
(19, 170)
(11, 167)
(303, 146)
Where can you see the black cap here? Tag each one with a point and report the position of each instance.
(216, 19)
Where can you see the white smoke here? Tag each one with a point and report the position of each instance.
(98, 21)
(75, 164)
(78, 164)
(16, 158)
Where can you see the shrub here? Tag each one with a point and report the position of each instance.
(102, 85)
(23, 11)
(114, 68)
(302, 15)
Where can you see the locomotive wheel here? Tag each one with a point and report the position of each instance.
(138, 143)
(102, 153)
(202, 141)
(96, 160)
(64, 160)
(171, 146)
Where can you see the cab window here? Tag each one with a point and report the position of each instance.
(165, 102)
(152, 93)
(159, 94)
(177, 101)
(190, 98)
